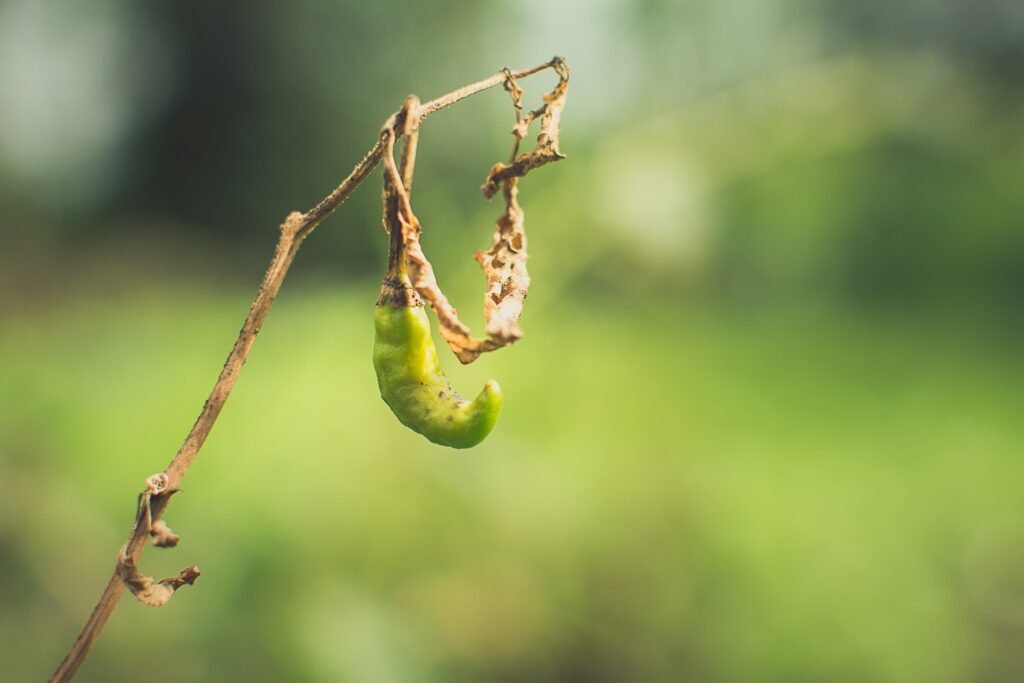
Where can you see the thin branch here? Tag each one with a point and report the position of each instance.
(428, 108)
(372, 158)
(161, 487)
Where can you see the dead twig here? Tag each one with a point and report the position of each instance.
(161, 487)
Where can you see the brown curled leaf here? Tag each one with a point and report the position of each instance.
(162, 535)
(504, 264)
(546, 149)
(146, 589)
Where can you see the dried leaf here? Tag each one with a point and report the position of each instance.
(546, 149)
(504, 264)
(146, 589)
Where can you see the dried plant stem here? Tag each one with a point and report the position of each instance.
(161, 487)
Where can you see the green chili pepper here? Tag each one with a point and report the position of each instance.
(411, 380)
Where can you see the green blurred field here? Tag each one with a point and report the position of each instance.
(771, 495)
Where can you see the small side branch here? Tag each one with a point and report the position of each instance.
(161, 487)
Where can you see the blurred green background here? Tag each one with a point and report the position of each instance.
(766, 423)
